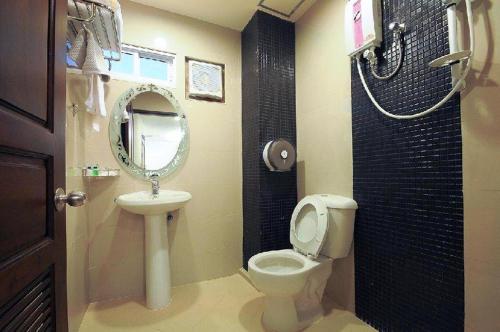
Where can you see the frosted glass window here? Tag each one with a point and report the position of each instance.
(125, 65)
(154, 68)
(69, 62)
(139, 64)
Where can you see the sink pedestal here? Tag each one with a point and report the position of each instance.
(154, 208)
(157, 262)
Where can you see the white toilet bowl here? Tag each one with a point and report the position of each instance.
(293, 285)
(294, 280)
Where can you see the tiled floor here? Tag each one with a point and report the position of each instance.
(228, 304)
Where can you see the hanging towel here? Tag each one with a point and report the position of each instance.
(88, 54)
(112, 24)
(95, 101)
(78, 50)
(94, 67)
(94, 59)
(110, 28)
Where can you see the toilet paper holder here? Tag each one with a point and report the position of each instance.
(279, 155)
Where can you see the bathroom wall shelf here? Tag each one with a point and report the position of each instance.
(102, 20)
(100, 173)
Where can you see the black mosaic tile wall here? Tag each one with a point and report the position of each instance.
(268, 83)
(408, 184)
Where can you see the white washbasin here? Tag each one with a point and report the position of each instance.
(157, 265)
(143, 202)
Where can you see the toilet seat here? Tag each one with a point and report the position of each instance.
(309, 226)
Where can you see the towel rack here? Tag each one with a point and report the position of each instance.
(101, 20)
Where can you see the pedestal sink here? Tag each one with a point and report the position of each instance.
(154, 208)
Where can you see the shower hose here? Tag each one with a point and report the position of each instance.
(456, 87)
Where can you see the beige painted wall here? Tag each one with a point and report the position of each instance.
(481, 168)
(206, 237)
(76, 230)
(324, 139)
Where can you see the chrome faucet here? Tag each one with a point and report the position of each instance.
(155, 183)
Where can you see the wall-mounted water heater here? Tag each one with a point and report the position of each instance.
(363, 25)
(363, 30)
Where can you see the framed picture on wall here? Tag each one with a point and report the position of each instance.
(205, 80)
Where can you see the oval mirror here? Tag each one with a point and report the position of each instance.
(148, 131)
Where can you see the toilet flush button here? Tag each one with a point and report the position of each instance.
(284, 154)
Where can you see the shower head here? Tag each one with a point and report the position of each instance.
(450, 59)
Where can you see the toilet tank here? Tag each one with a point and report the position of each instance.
(341, 214)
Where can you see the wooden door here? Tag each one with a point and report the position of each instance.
(32, 121)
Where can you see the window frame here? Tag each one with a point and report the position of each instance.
(137, 52)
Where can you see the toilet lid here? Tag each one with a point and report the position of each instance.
(309, 226)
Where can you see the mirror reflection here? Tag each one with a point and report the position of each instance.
(148, 131)
(151, 131)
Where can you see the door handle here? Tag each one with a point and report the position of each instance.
(74, 198)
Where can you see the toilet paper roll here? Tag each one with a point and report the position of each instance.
(279, 155)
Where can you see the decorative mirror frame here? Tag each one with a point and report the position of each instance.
(116, 142)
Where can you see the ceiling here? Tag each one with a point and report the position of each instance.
(233, 14)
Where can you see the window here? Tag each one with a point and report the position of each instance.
(141, 64)
(125, 65)
(69, 62)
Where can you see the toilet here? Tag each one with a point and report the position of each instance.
(293, 280)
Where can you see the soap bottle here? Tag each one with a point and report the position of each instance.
(95, 170)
